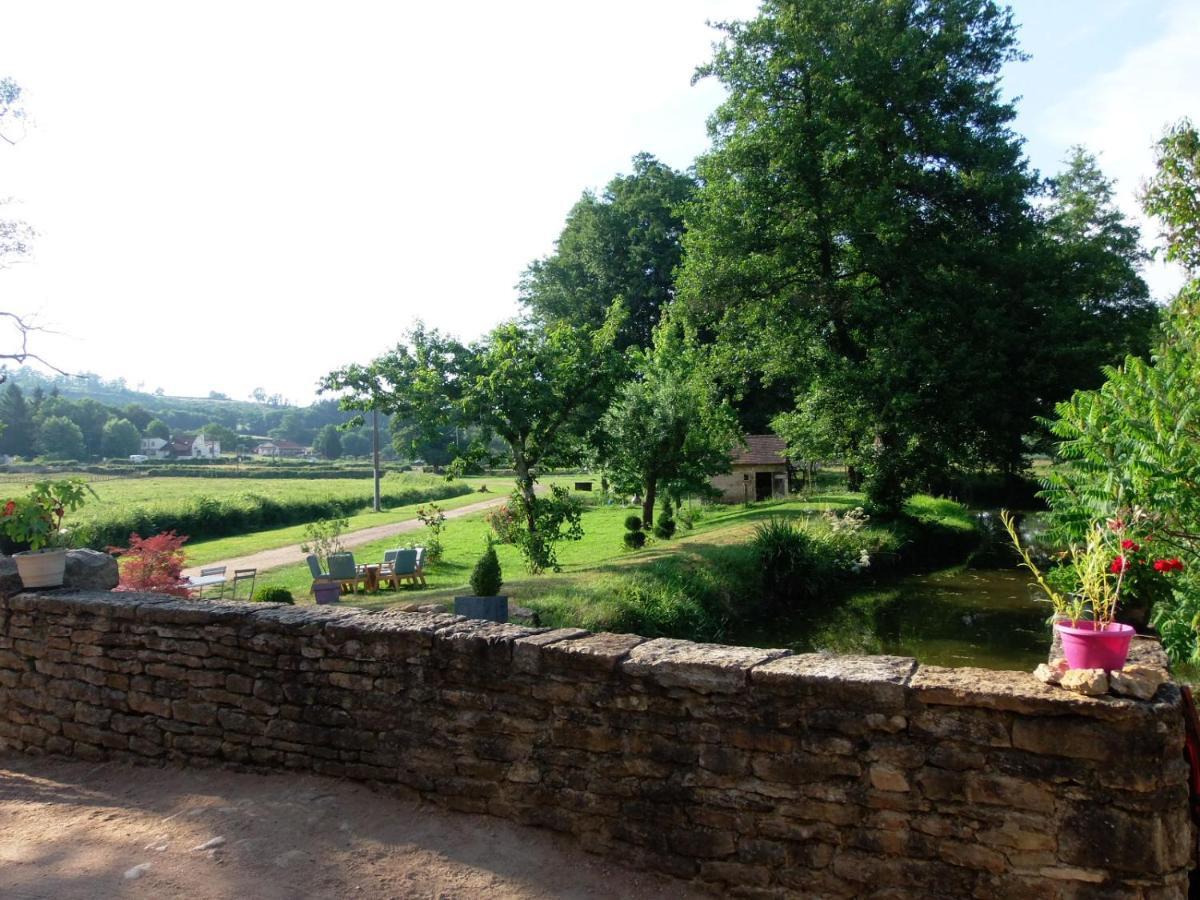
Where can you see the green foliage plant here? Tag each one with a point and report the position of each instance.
(36, 518)
(554, 517)
(633, 523)
(324, 538)
(634, 540)
(664, 527)
(486, 578)
(274, 595)
(434, 519)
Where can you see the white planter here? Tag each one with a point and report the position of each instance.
(41, 568)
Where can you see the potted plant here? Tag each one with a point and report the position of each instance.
(35, 521)
(1098, 572)
(485, 582)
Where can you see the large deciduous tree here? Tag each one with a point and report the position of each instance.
(120, 438)
(668, 426)
(862, 229)
(625, 243)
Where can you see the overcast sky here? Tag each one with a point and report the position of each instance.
(233, 195)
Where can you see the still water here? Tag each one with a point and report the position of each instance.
(980, 614)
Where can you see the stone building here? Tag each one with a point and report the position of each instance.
(759, 471)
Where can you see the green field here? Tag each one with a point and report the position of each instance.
(115, 495)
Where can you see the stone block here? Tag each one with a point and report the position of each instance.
(597, 654)
(878, 680)
(527, 650)
(706, 668)
(90, 570)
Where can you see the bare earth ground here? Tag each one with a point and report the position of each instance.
(292, 554)
(72, 830)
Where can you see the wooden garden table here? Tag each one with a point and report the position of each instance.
(371, 579)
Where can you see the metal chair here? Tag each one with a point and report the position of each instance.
(240, 576)
(209, 572)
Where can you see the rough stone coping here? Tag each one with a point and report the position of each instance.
(1020, 692)
(882, 679)
(707, 668)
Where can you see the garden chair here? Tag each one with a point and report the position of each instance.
(314, 566)
(420, 572)
(343, 570)
(388, 565)
(240, 577)
(404, 568)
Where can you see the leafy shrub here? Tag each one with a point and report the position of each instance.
(273, 595)
(633, 523)
(635, 540)
(503, 522)
(486, 579)
(558, 517)
(153, 564)
(324, 538)
(434, 519)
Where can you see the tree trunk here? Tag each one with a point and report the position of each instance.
(648, 501)
(525, 486)
(854, 478)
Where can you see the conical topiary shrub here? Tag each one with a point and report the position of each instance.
(486, 580)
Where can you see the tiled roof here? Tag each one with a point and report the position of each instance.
(760, 450)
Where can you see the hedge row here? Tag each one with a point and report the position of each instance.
(201, 518)
(175, 471)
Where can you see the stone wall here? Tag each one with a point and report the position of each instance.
(752, 771)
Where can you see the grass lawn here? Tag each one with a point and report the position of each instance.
(204, 552)
(586, 563)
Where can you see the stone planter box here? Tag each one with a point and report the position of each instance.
(494, 609)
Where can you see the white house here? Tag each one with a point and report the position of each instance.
(204, 448)
(280, 448)
(155, 448)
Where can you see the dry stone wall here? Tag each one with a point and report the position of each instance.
(756, 772)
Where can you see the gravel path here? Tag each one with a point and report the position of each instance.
(81, 831)
(292, 554)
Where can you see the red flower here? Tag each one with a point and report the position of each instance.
(1168, 565)
(1161, 565)
(1119, 565)
(1175, 564)
(1130, 545)
(10, 507)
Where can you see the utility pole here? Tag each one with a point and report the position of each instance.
(375, 457)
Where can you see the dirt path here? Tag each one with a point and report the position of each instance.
(292, 554)
(79, 831)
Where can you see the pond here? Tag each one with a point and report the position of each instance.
(980, 614)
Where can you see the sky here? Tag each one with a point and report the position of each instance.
(234, 195)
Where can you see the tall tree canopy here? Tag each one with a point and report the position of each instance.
(863, 230)
(623, 244)
(17, 430)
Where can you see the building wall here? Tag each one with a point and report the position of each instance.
(736, 488)
(748, 771)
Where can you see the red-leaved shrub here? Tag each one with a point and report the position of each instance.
(153, 564)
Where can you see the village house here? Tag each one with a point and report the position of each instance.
(183, 446)
(759, 471)
(280, 448)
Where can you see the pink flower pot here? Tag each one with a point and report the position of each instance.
(1087, 647)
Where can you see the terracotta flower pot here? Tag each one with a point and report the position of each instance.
(1087, 647)
(41, 568)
